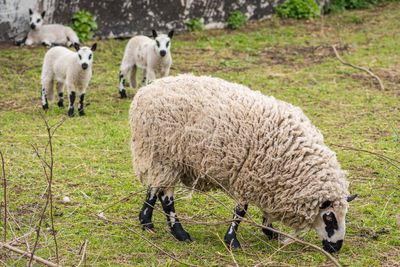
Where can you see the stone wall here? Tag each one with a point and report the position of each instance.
(125, 18)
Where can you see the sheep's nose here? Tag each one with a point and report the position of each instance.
(33, 26)
(163, 53)
(332, 247)
(84, 66)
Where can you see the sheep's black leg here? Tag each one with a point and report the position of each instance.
(147, 210)
(270, 234)
(45, 104)
(71, 104)
(167, 202)
(60, 102)
(122, 90)
(230, 236)
(80, 105)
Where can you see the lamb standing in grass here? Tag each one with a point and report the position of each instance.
(208, 133)
(151, 56)
(70, 69)
(49, 34)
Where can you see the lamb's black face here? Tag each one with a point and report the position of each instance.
(85, 55)
(35, 19)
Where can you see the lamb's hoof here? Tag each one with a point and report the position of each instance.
(81, 112)
(71, 112)
(60, 104)
(233, 244)
(123, 93)
(180, 234)
(46, 106)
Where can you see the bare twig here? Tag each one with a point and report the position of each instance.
(387, 159)
(358, 67)
(229, 250)
(5, 197)
(83, 258)
(393, 128)
(27, 254)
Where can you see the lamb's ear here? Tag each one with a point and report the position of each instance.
(170, 34)
(154, 34)
(76, 45)
(93, 47)
(30, 12)
(325, 204)
(43, 13)
(350, 198)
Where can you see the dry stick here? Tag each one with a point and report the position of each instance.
(229, 250)
(391, 125)
(387, 159)
(358, 67)
(49, 178)
(101, 249)
(83, 253)
(5, 197)
(144, 238)
(27, 254)
(20, 229)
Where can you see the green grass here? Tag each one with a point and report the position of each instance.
(288, 59)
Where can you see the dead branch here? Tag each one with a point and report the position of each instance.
(5, 197)
(229, 250)
(358, 67)
(385, 158)
(27, 254)
(83, 258)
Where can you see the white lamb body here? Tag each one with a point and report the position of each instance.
(151, 56)
(67, 68)
(52, 34)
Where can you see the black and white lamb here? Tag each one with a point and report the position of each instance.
(209, 133)
(70, 69)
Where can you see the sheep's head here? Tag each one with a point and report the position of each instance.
(163, 42)
(35, 19)
(330, 224)
(85, 55)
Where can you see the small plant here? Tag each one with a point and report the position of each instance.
(195, 25)
(84, 25)
(299, 9)
(337, 6)
(236, 19)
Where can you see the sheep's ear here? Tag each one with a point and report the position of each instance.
(170, 34)
(350, 198)
(30, 12)
(43, 13)
(154, 34)
(76, 45)
(325, 204)
(93, 47)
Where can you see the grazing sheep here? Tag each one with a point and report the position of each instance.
(208, 133)
(70, 69)
(49, 34)
(151, 56)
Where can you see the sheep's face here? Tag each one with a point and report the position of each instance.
(330, 225)
(163, 42)
(85, 55)
(35, 19)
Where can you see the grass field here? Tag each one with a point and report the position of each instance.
(289, 59)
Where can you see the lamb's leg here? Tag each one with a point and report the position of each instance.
(45, 104)
(150, 76)
(230, 236)
(72, 95)
(147, 210)
(133, 78)
(167, 202)
(123, 72)
(270, 234)
(143, 76)
(60, 94)
(47, 92)
(164, 73)
(80, 104)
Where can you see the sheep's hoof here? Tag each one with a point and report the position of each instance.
(233, 244)
(180, 234)
(270, 234)
(149, 228)
(81, 112)
(45, 106)
(123, 93)
(60, 104)
(71, 112)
